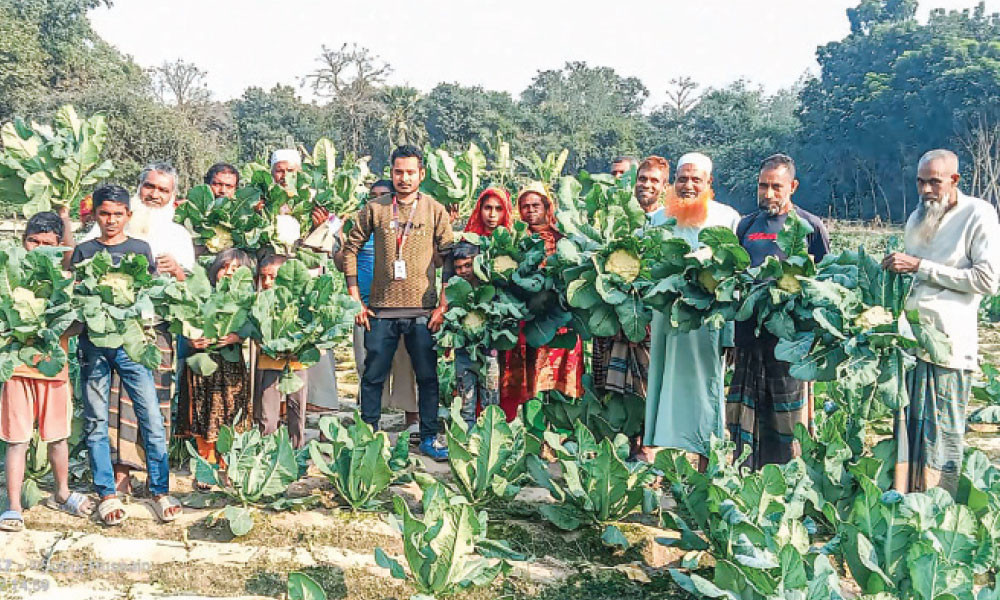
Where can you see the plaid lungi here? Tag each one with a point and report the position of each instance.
(930, 430)
(621, 366)
(763, 405)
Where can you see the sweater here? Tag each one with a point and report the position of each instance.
(431, 231)
(959, 265)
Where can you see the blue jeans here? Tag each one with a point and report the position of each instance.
(380, 347)
(96, 365)
(471, 387)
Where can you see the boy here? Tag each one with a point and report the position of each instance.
(266, 397)
(30, 395)
(112, 212)
(469, 383)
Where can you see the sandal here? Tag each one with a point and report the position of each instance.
(11, 520)
(162, 504)
(74, 505)
(108, 506)
(202, 487)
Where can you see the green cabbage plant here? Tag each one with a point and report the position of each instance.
(36, 310)
(115, 303)
(42, 166)
(487, 461)
(359, 462)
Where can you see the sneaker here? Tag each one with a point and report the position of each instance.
(429, 449)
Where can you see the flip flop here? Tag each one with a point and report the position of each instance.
(11, 520)
(161, 504)
(73, 505)
(108, 506)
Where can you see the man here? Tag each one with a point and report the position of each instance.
(765, 401)
(408, 228)
(223, 179)
(952, 244)
(622, 164)
(112, 210)
(685, 404)
(619, 365)
(151, 220)
(284, 162)
(400, 391)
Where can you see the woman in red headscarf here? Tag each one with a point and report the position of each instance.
(526, 371)
(492, 210)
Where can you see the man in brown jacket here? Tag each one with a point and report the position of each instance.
(408, 227)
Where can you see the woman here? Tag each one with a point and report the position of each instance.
(527, 371)
(492, 210)
(208, 403)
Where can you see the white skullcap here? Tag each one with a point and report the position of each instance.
(288, 155)
(697, 159)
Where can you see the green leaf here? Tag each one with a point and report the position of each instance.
(240, 520)
(201, 364)
(303, 587)
(614, 537)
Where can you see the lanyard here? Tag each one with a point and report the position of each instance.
(402, 234)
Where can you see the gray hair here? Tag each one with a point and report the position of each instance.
(950, 158)
(159, 167)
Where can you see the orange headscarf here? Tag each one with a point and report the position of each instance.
(550, 235)
(476, 223)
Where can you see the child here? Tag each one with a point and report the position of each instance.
(470, 385)
(112, 212)
(266, 397)
(30, 395)
(207, 403)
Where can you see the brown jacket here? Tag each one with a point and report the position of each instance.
(431, 232)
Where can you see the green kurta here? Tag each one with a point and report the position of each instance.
(685, 400)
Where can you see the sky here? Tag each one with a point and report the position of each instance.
(499, 45)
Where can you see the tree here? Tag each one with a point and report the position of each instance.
(403, 119)
(457, 116)
(180, 83)
(682, 95)
(352, 78)
(593, 111)
(265, 120)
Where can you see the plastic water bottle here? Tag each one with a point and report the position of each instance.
(492, 371)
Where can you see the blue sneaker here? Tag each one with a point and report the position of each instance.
(430, 450)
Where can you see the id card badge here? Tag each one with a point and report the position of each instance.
(399, 270)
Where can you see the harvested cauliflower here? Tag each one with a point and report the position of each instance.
(504, 264)
(874, 317)
(623, 263)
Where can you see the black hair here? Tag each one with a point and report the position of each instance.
(779, 160)
(464, 249)
(381, 183)
(224, 258)
(629, 159)
(44, 222)
(110, 193)
(407, 151)
(269, 260)
(221, 167)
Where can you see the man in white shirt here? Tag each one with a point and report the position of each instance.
(952, 244)
(153, 221)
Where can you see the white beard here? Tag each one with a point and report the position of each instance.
(146, 219)
(930, 213)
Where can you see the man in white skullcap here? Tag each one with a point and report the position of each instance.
(283, 162)
(765, 402)
(685, 399)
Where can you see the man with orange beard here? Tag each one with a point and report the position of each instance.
(618, 365)
(685, 401)
(765, 401)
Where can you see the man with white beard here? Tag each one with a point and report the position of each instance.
(952, 246)
(173, 250)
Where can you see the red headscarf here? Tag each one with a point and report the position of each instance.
(476, 223)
